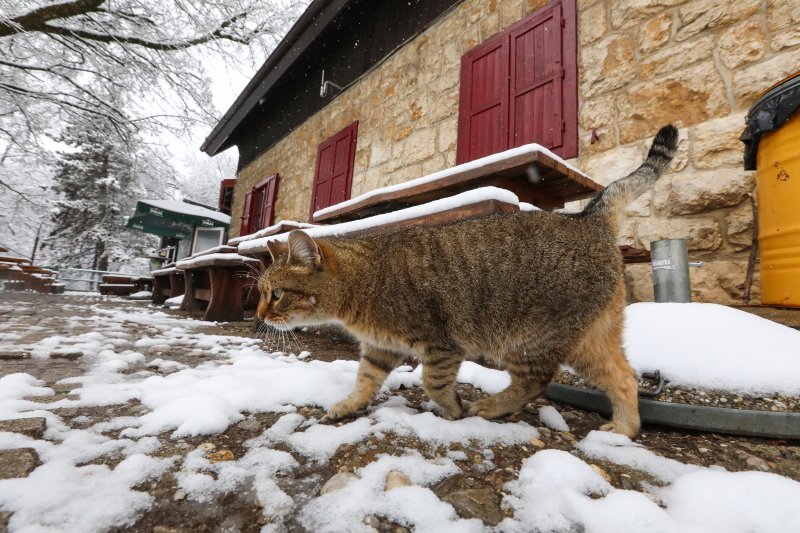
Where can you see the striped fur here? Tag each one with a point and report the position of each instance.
(621, 192)
(529, 290)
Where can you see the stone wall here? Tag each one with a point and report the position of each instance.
(697, 63)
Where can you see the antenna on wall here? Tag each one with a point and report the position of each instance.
(323, 88)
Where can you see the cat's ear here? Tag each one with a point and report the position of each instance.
(303, 250)
(276, 249)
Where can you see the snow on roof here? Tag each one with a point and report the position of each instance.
(442, 174)
(437, 206)
(189, 209)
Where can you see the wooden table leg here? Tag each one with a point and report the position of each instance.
(190, 303)
(226, 294)
(160, 285)
(175, 284)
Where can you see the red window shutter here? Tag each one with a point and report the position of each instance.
(483, 106)
(248, 204)
(520, 87)
(269, 193)
(537, 77)
(333, 176)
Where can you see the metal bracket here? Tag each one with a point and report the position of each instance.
(323, 88)
(656, 378)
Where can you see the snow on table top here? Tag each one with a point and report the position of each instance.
(711, 346)
(446, 173)
(202, 260)
(436, 206)
(270, 230)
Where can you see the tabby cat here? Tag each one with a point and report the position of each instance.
(530, 290)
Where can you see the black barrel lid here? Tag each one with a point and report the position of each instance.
(769, 113)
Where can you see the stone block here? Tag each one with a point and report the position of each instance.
(716, 142)
(447, 134)
(699, 15)
(719, 281)
(627, 232)
(741, 44)
(785, 39)
(597, 112)
(749, 82)
(31, 427)
(434, 164)
(593, 23)
(782, 14)
(739, 225)
(614, 164)
(630, 13)
(18, 462)
(702, 191)
(655, 32)
(607, 65)
(639, 282)
(681, 158)
(686, 97)
(420, 145)
(700, 233)
(677, 57)
(606, 140)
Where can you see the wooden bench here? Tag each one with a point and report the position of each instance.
(142, 283)
(167, 283)
(219, 282)
(117, 285)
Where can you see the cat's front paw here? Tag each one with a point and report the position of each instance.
(343, 409)
(489, 408)
(613, 427)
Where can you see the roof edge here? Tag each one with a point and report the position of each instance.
(293, 44)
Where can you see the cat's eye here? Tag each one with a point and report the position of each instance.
(277, 293)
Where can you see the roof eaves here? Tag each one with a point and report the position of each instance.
(313, 20)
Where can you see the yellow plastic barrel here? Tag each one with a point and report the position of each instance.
(778, 189)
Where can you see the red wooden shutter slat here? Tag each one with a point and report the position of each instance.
(269, 191)
(248, 200)
(536, 80)
(333, 175)
(483, 106)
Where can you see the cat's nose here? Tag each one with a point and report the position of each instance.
(263, 310)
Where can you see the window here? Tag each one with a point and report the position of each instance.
(520, 87)
(226, 195)
(207, 238)
(259, 205)
(334, 169)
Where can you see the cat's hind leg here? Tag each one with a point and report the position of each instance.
(528, 380)
(375, 366)
(599, 359)
(439, 371)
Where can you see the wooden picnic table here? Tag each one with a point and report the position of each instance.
(220, 284)
(530, 172)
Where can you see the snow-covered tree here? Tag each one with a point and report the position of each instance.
(96, 183)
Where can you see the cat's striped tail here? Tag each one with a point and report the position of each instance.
(621, 192)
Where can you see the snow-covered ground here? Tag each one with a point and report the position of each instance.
(555, 490)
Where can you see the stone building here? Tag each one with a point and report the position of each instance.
(627, 67)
